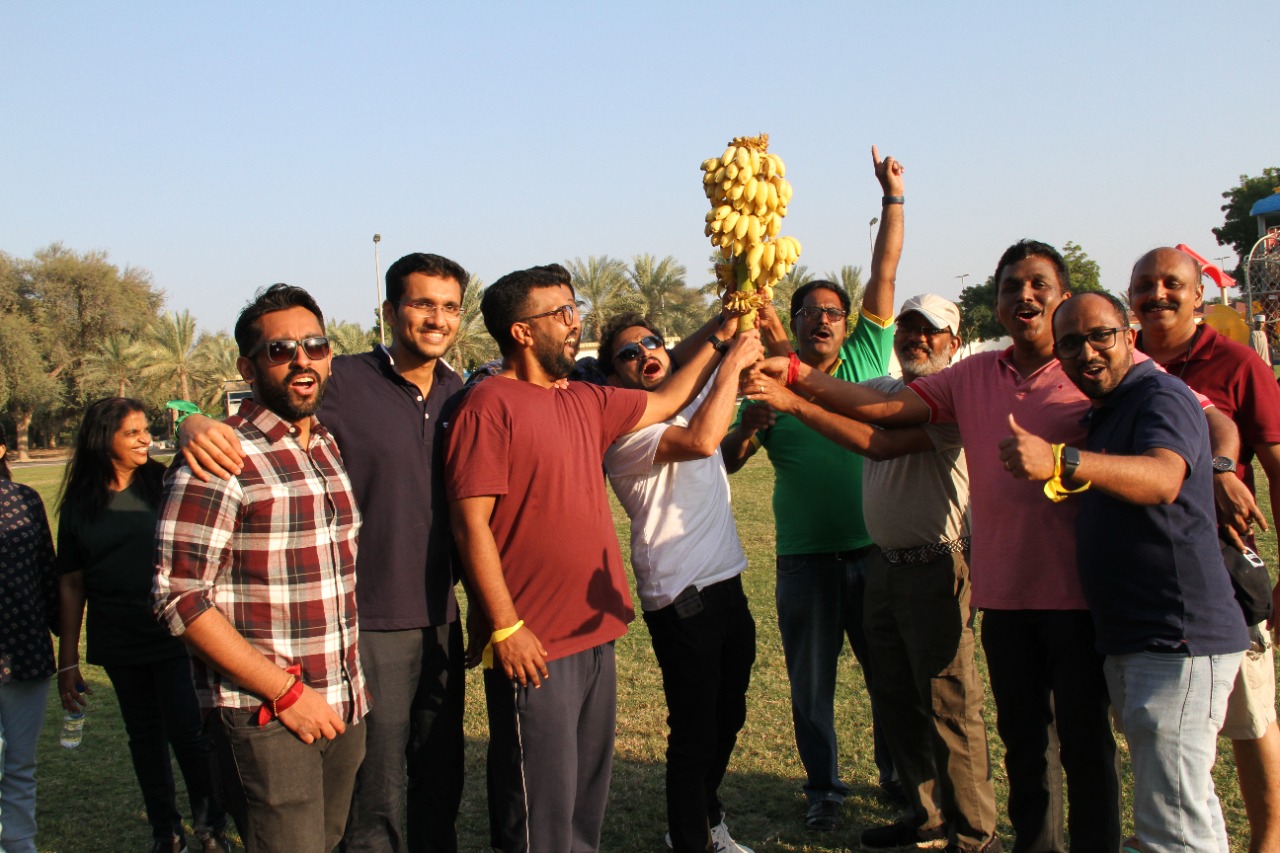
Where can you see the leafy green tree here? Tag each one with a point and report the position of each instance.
(26, 384)
(790, 283)
(660, 285)
(1238, 229)
(850, 278)
(347, 338)
(977, 305)
(113, 370)
(1081, 269)
(171, 361)
(601, 282)
(473, 346)
(215, 360)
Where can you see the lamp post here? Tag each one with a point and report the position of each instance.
(1223, 295)
(377, 287)
(871, 236)
(962, 277)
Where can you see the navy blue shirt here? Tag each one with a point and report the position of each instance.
(1153, 575)
(391, 444)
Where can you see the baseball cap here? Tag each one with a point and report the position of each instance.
(941, 313)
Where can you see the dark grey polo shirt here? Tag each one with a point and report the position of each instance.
(391, 443)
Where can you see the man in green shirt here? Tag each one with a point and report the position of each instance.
(822, 541)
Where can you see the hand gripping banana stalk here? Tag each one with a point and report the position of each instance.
(749, 193)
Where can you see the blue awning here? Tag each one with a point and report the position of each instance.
(1270, 204)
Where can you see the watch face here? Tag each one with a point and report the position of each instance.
(1223, 465)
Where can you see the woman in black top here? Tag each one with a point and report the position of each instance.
(106, 556)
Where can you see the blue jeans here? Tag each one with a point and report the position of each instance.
(820, 603)
(1171, 707)
(21, 717)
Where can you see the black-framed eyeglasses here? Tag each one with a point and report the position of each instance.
(565, 312)
(927, 331)
(316, 348)
(632, 351)
(426, 306)
(812, 312)
(1100, 340)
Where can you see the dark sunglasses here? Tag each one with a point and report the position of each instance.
(282, 351)
(632, 351)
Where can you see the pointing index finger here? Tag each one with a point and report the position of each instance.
(875, 156)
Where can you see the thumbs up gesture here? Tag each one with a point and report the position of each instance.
(1026, 456)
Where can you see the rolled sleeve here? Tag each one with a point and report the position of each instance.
(193, 546)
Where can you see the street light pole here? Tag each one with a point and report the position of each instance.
(871, 236)
(377, 287)
(962, 277)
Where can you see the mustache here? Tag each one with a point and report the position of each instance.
(306, 371)
(1160, 305)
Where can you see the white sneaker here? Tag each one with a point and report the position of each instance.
(721, 840)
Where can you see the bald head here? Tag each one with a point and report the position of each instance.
(1165, 290)
(1102, 305)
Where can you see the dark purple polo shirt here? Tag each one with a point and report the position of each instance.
(391, 443)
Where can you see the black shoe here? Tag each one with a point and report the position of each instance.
(902, 835)
(892, 789)
(992, 846)
(174, 844)
(213, 842)
(823, 816)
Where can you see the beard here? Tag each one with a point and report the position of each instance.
(917, 364)
(552, 359)
(279, 398)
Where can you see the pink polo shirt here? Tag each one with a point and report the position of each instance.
(1024, 546)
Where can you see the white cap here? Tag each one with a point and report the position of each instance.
(941, 313)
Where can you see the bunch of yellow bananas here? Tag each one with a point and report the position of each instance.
(749, 193)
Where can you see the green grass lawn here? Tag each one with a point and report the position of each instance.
(89, 801)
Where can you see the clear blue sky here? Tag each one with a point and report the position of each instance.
(225, 146)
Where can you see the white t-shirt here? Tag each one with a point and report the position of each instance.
(682, 528)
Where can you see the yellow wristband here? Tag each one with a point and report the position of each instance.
(1054, 490)
(486, 657)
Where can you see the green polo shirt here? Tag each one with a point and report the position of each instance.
(817, 485)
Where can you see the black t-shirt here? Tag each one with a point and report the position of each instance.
(117, 552)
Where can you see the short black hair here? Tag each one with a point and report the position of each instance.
(797, 298)
(505, 301)
(615, 326)
(277, 297)
(427, 264)
(1024, 249)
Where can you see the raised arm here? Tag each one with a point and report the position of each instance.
(861, 438)
(521, 655)
(710, 422)
(879, 297)
(678, 391)
(904, 408)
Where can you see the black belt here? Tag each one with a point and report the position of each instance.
(925, 553)
(693, 601)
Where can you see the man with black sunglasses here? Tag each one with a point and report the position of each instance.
(257, 575)
(688, 562)
(386, 407)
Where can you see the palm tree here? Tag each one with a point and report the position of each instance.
(117, 365)
(850, 278)
(790, 283)
(170, 361)
(216, 357)
(473, 346)
(347, 338)
(602, 284)
(661, 287)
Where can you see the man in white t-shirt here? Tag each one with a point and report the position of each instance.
(671, 480)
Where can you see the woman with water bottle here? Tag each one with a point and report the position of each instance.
(106, 554)
(28, 607)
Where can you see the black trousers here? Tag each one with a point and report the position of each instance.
(706, 660)
(415, 680)
(1052, 712)
(159, 706)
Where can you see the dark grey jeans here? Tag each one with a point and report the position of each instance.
(285, 795)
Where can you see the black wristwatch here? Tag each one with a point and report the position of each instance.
(718, 345)
(1070, 461)
(1224, 465)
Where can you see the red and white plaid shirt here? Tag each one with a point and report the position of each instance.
(274, 550)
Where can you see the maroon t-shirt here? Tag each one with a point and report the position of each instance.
(1239, 384)
(540, 451)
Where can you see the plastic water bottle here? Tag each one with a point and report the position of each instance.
(72, 728)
